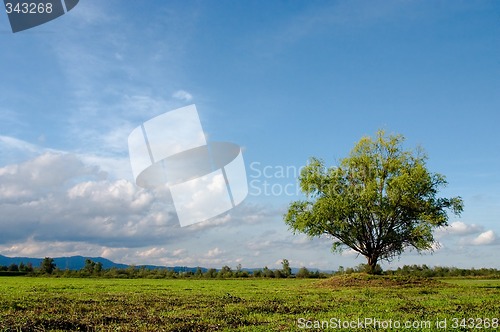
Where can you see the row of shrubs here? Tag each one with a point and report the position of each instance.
(439, 271)
(224, 273)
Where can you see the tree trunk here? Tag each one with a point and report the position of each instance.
(372, 263)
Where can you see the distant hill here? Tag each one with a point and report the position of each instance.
(63, 263)
(78, 262)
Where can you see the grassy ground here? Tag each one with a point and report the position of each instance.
(49, 304)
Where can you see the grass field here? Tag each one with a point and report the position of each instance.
(51, 304)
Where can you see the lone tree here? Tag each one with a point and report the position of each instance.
(379, 201)
(47, 265)
(286, 269)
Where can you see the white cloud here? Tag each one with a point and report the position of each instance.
(485, 238)
(57, 197)
(460, 228)
(468, 234)
(33, 248)
(47, 171)
(160, 252)
(182, 95)
(215, 252)
(115, 167)
(18, 151)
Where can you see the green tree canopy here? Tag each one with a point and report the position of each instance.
(286, 269)
(378, 201)
(47, 265)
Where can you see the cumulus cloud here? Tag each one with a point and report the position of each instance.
(182, 95)
(57, 197)
(468, 234)
(461, 228)
(485, 238)
(25, 182)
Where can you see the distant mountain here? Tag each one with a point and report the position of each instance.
(63, 263)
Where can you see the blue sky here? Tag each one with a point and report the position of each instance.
(284, 80)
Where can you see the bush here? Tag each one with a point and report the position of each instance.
(303, 273)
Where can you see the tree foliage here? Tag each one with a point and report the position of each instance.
(47, 265)
(92, 267)
(286, 269)
(303, 273)
(378, 201)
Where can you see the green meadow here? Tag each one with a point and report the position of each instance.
(340, 303)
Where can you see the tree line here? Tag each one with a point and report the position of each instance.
(440, 271)
(95, 269)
